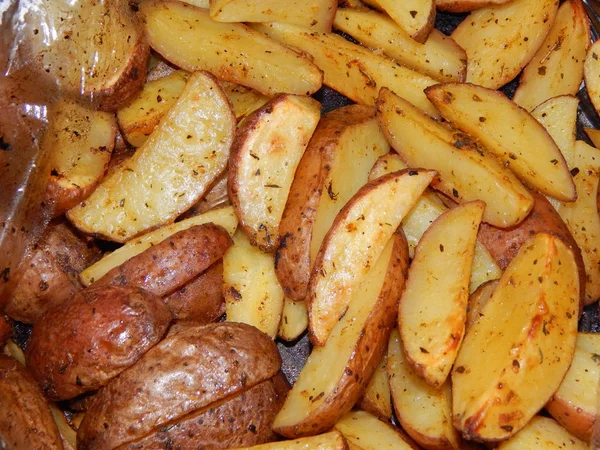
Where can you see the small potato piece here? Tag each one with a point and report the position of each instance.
(102, 332)
(6, 330)
(216, 197)
(558, 115)
(25, 419)
(543, 433)
(49, 276)
(501, 40)
(244, 100)
(187, 371)
(477, 300)
(170, 172)
(459, 6)
(416, 17)
(326, 441)
(264, 157)
(231, 51)
(165, 267)
(377, 398)
(294, 319)
(591, 73)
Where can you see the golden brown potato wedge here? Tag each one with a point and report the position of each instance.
(526, 333)
(354, 242)
(231, 51)
(543, 433)
(438, 57)
(252, 293)
(377, 398)
(336, 164)
(501, 40)
(458, 6)
(354, 71)
(591, 73)
(244, 100)
(477, 300)
(352, 352)
(294, 319)
(332, 440)
(264, 157)
(557, 67)
(424, 412)
(433, 306)
(170, 172)
(314, 14)
(465, 172)
(416, 17)
(223, 217)
(508, 132)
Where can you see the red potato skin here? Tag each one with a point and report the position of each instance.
(103, 331)
(165, 267)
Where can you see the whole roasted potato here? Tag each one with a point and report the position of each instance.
(82, 344)
(192, 370)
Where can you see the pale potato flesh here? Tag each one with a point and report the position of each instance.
(526, 333)
(465, 172)
(170, 172)
(508, 132)
(354, 242)
(231, 51)
(458, 6)
(591, 72)
(594, 136)
(543, 433)
(377, 398)
(438, 57)
(224, 217)
(326, 441)
(367, 432)
(252, 293)
(244, 100)
(500, 40)
(557, 67)
(294, 319)
(353, 70)
(424, 412)
(416, 17)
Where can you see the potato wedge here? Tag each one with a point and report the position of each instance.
(558, 115)
(459, 6)
(354, 242)
(232, 52)
(508, 132)
(217, 197)
(438, 57)
(352, 70)
(543, 433)
(170, 172)
(557, 67)
(416, 17)
(594, 136)
(6, 330)
(332, 440)
(477, 300)
(526, 333)
(574, 405)
(465, 172)
(433, 308)
(252, 293)
(264, 157)
(501, 40)
(223, 217)
(352, 352)
(244, 100)
(294, 319)
(314, 14)
(377, 398)
(427, 209)
(424, 412)
(344, 146)
(591, 74)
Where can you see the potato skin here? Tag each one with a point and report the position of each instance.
(165, 267)
(50, 275)
(25, 419)
(103, 331)
(187, 371)
(5, 329)
(242, 421)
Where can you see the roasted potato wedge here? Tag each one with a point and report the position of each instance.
(558, 115)
(543, 433)
(508, 132)
(244, 100)
(332, 440)
(526, 333)
(231, 51)
(459, 6)
(294, 319)
(102, 332)
(477, 300)
(416, 17)
(465, 172)
(501, 39)
(217, 197)
(591, 73)
(264, 157)
(170, 172)
(377, 398)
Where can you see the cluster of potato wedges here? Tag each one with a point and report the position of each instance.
(432, 242)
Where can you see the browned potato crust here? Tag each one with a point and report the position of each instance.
(50, 276)
(187, 371)
(201, 299)
(5, 329)
(165, 267)
(103, 331)
(25, 419)
(241, 421)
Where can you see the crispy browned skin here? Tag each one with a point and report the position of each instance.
(240, 421)
(82, 344)
(200, 300)
(187, 371)
(165, 267)
(5, 329)
(504, 243)
(50, 275)
(25, 419)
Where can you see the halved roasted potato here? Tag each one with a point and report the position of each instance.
(543, 433)
(501, 39)
(459, 6)
(170, 172)
(231, 51)
(416, 17)
(264, 157)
